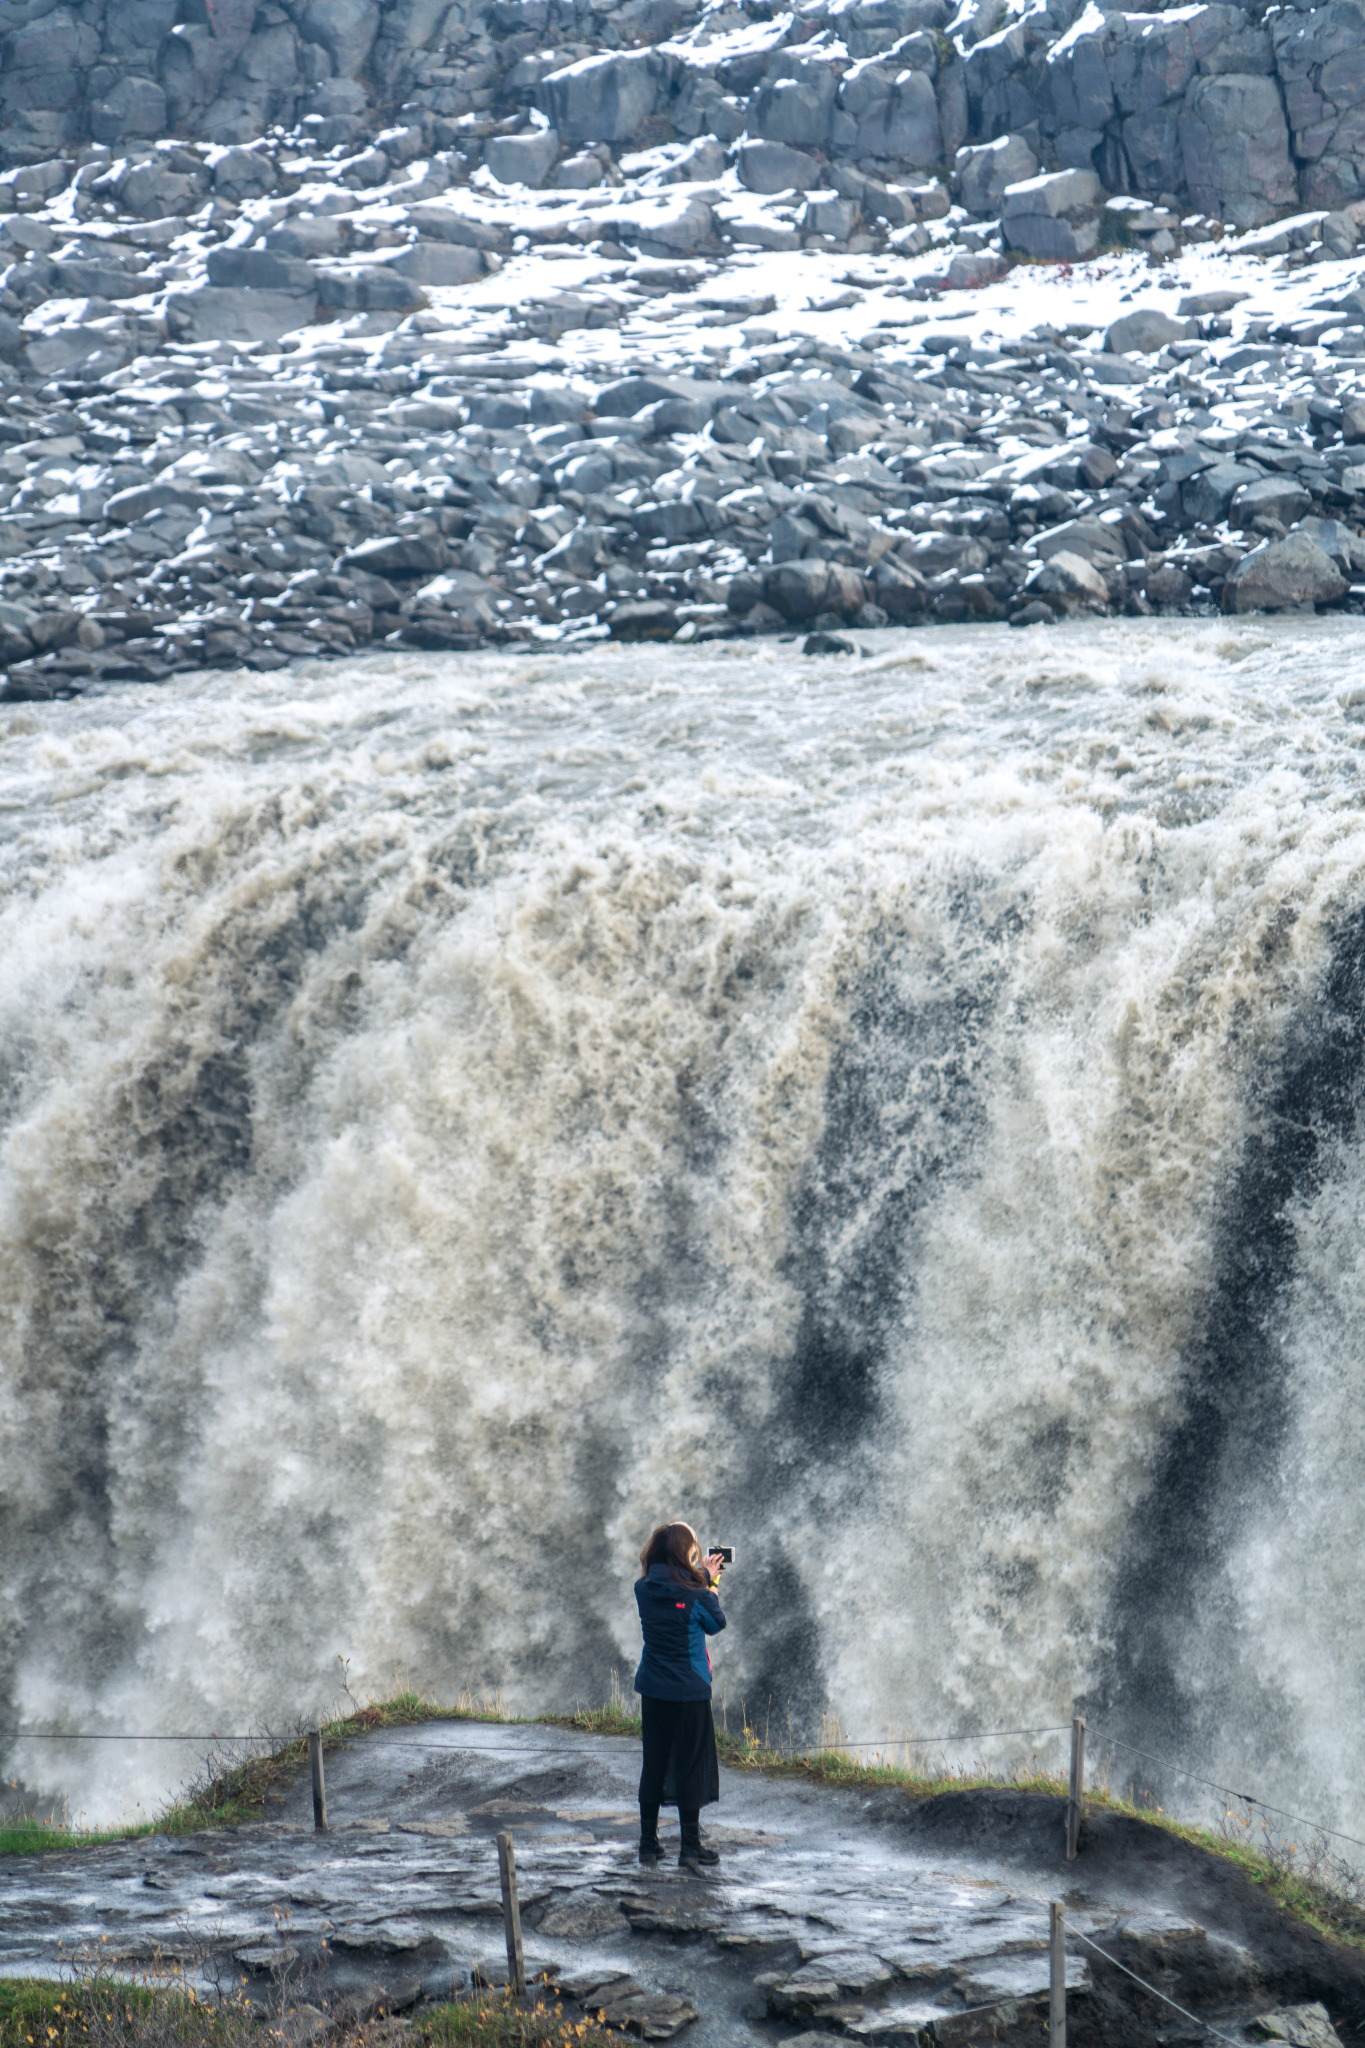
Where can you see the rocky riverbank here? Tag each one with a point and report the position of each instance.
(666, 324)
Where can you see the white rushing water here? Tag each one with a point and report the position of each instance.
(898, 1113)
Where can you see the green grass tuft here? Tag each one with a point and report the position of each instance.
(490, 2021)
(97, 2011)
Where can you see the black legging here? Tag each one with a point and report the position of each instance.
(688, 1817)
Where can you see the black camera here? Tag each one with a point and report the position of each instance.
(725, 1551)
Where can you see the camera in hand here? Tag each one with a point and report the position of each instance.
(725, 1551)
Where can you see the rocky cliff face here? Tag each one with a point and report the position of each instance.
(1237, 114)
(444, 324)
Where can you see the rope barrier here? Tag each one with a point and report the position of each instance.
(813, 1749)
(1249, 1798)
(68, 1735)
(921, 1741)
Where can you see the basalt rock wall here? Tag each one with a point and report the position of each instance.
(1237, 114)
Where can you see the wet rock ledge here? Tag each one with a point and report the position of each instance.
(443, 328)
(830, 1916)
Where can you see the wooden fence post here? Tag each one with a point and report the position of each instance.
(1057, 1978)
(319, 1783)
(1075, 1808)
(511, 1915)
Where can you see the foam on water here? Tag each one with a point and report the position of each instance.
(900, 1114)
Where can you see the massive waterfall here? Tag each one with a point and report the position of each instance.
(899, 1113)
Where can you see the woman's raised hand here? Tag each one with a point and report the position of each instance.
(715, 1564)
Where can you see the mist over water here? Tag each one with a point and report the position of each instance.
(900, 1114)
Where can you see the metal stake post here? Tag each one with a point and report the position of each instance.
(319, 1784)
(1057, 1978)
(1075, 1809)
(511, 1915)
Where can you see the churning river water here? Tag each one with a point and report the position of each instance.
(901, 1114)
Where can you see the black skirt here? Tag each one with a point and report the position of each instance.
(680, 1767)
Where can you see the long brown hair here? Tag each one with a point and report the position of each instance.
(675, 1545)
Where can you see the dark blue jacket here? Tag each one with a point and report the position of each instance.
(676, 1618)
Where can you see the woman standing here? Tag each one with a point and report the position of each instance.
(678, 1611)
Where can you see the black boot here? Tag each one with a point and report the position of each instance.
(651, 1848)
(693, 1849)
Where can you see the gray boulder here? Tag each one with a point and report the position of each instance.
(305, 235)
(584, 173)
(830, 216)
(607, 98)
(871, 26)
(974, 268)
(1234, 145)
(1095, 540)
(90, 350)
(346, 29)
(190, 69)
(1340, 236)
(261, 269)
(1199, 305)
(1318, 60)
(440, 264)
(125, 507)
(78, 280)
(1300, 2026)
(496, 409)
(1284, 575)
(1144, 332)
(443, 224)
(983, 170)
(153, 190)
(1280, 498)
(367, 288)
(1053, 215)
(790, 537)
(776, 167)
(795, 105)
(214, 313)
(243, 174)
(702, 163)
(133, 108)
(648, 618)
(31, 184)
(1340, 541)
(677, 415)
(894, 112)
(136, 29)
(676, 519)
(629, 396)
(803, 589)
(999, 87)
(399, 554)
(954, 113)
(1205, 498)
(897, 588)
(671, 234)
(522, 159)
(1069, 581)
(43, 60)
